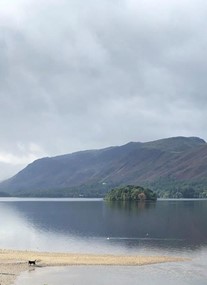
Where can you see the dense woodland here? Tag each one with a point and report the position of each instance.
(130, 193)
(170, 188)
(162, 189)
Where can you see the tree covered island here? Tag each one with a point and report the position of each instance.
(131, 193)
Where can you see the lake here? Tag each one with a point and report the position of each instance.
(167, 227)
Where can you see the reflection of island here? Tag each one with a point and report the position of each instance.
(85, 224)
(131, 193)
(130, 206)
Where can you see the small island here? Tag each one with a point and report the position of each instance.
(131, 193)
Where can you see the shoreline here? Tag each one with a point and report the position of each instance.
(13, 262)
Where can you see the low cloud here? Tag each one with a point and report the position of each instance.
(80, 75)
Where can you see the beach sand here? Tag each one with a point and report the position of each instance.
(13, 262)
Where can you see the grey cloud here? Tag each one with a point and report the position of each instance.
(80, 75)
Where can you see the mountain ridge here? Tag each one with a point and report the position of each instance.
(178, 158)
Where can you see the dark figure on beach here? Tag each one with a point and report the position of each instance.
(32, 262)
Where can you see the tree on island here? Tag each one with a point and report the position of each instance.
(131, 193)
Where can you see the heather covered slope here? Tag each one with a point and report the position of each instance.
(173, 159)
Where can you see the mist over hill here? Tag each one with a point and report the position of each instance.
(173, 167)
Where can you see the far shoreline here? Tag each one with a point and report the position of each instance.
(14, 262)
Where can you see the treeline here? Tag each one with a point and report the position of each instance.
(179, 189)
(98, 190)
(163, 188)
(130, 193)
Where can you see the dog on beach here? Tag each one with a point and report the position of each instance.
(32, 262)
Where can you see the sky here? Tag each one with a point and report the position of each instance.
(77, 75)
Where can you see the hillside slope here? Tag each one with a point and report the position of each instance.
(173, 159)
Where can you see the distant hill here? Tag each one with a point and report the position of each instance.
(171, 167)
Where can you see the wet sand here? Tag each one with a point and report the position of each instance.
(13, 262)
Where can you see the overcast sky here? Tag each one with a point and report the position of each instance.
(78, 75)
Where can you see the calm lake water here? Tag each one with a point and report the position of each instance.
(167, 227)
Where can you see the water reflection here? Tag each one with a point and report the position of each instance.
(21, 230)
(96, 226)
(180, 222)
(132, 206)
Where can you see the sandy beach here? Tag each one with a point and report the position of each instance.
(13, 262)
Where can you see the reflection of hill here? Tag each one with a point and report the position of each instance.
(161, 164)
(182, 223)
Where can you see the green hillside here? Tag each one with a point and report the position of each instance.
(173, 167)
